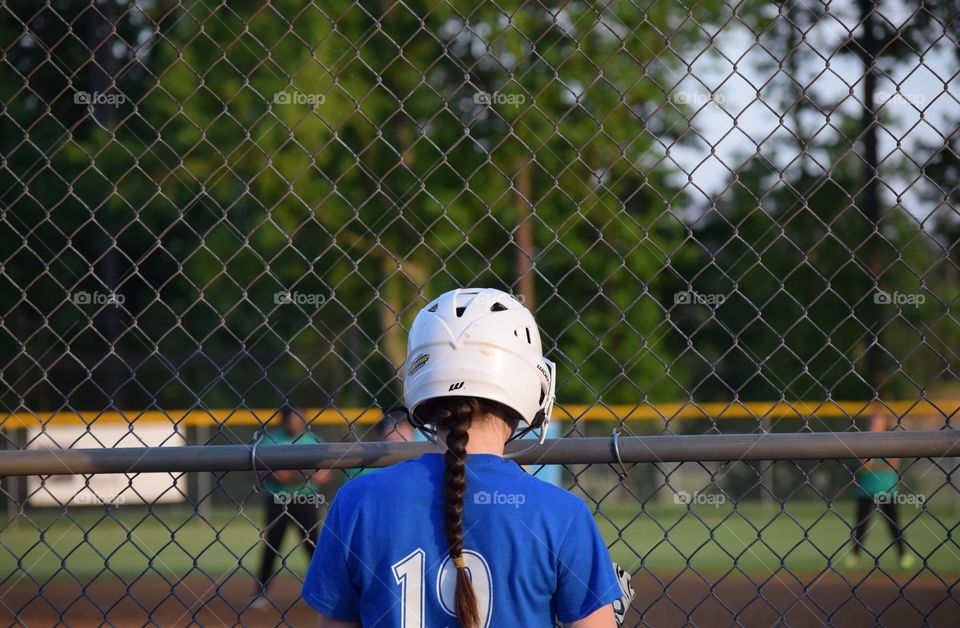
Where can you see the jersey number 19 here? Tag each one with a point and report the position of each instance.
(409, 573)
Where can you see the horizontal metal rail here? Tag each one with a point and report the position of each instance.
(632, 449)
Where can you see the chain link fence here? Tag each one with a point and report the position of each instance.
(727, 218)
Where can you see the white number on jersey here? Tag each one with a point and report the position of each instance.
(409, 574)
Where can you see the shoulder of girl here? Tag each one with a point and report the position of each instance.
(372, 478)
(561, 498)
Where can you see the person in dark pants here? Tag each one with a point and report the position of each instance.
(877, 488)
(293, 501)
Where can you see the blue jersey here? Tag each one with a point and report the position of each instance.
(533, 550)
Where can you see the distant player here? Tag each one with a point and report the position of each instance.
(292, 500)
(877, 487)
(463, 535)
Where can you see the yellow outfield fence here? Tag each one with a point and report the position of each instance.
(762, 410)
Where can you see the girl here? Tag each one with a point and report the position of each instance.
(463, 535)
(877, 483)
(291, 500)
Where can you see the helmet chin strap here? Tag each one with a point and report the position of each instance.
(520, 434)
(538, 423)
(540, 420)
(430, 432)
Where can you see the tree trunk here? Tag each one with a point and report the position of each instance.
(110, 325)
(868, 50)
(523, 235)
(390, 306)
(100, 24)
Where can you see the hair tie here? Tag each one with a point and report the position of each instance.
(458, 563)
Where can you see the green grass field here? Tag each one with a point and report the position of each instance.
(804, 537)
(174, 543)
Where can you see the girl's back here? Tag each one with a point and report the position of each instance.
(533, 550)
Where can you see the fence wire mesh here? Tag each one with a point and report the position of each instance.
(726, 217)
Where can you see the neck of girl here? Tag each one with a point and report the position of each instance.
(486, 437)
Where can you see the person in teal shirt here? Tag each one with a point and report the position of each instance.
(878, 483)
(293, 497)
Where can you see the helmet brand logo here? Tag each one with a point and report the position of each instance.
(456, 386)
(418, 363)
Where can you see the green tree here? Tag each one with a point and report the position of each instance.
(803, 242)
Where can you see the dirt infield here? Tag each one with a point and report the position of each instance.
(828, 600)
(682, 600)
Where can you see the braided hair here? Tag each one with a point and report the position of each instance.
(455, 415)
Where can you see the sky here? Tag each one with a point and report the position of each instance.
(732, 122)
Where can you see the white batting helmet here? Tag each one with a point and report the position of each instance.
(480, 342)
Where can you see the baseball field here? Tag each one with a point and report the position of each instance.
(710, 565)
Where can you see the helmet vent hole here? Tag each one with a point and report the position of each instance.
(528, 336)
(460, 310)
(433, 308)
(498, 307)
